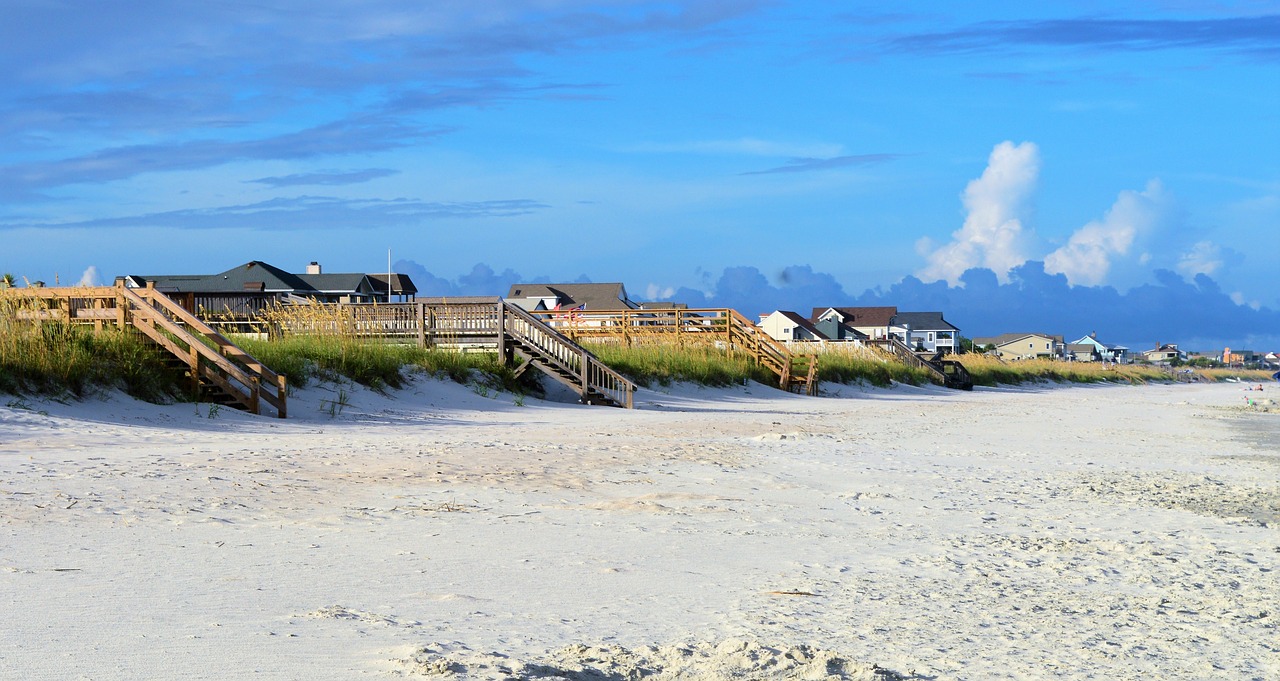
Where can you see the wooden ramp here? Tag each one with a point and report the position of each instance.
(219, 371)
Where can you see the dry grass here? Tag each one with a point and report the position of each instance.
(41, 352)
(989, 371)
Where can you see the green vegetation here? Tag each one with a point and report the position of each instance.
(989, 371)
(43, 356)
(665, 364)
(378, 365)
(707, 365)
(56, 358)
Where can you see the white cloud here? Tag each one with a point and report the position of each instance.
(656, 292)
(90, 277)
(1087, 256)
(992, 235)
(1204, 258)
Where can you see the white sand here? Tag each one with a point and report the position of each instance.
(1084, 532)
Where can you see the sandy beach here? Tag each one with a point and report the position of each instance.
(1056, 532)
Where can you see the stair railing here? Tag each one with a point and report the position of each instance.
(236, 372)
(593, 377)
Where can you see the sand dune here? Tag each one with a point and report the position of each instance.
(1083, 532)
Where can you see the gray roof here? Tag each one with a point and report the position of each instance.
(922, 321)
(260, 276)
(611, 296)
(860, 316)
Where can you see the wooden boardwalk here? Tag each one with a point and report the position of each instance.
(471, 324)
(488, 324)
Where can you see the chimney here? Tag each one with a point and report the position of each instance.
(313, 268)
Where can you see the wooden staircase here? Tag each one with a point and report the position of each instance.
(219, 371)
(796, 373)
(534, 343)
(944, 372)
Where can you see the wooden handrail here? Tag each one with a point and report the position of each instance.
(593, 374)
(143, 310)
(171, 327)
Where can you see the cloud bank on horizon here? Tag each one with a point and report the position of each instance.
(686, 146)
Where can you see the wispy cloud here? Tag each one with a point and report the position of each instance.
(359, 135)
(308, 213)
(325, 177)
(743, 146)
(809, 165)
(1241, 34)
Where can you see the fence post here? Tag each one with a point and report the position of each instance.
(502, 332)
(421, 323)
(586, 386)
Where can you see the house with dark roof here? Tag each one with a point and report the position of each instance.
(539, 297)
(251, 287)
(785, 325)
(921, 331)
(924, 331)
(853, 323)
(1164, 353)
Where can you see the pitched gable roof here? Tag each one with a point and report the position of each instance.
(611, 296)
(1006, 338)
(803, 323)
(860, 316)
(923, 321)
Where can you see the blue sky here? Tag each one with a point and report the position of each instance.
(711, 151)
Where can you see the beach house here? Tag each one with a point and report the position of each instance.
(1023, 345)
(1105, 351)
(787, 326)
(245, 290)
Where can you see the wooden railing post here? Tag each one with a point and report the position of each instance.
(502, 331)
(421, 323)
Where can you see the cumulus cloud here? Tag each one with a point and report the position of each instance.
(993, 235)
(1205, 257)
(1087, 256)
(90, 277)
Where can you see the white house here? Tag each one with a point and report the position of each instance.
(785, 325)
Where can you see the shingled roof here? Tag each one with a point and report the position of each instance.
(611, 296)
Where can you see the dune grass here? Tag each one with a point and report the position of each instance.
(55, 358)
(649, 364)
(989, 371)
(378, 365)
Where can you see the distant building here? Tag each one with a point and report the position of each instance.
(1163, 353)
(785, 325)
(249, 288)
(853, 323)
(1023, 345)
(539, 297)
(1106, 351)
